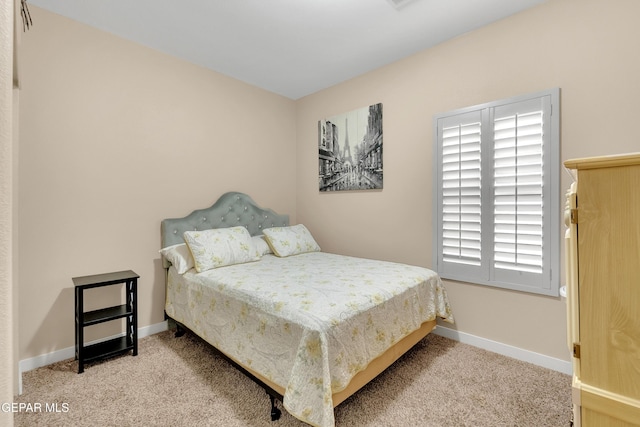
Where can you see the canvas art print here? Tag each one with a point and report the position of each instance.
(350, 150)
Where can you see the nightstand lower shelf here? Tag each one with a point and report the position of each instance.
(105, 349)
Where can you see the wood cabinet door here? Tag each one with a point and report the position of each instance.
(609, 285)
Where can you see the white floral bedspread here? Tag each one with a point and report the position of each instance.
(308, 322)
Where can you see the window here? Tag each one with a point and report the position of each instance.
(497, 206)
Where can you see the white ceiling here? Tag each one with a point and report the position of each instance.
(290, 47)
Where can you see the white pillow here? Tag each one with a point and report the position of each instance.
(220, 247)
(179, 256)
(262, 247)
(286, 241)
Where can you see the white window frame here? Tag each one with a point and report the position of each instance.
(481, 240)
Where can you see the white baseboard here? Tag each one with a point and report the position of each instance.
(507, 350)
(70, 352)
(494, 346)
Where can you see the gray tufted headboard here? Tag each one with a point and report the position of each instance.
(230, 210)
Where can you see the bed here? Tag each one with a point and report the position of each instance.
(310, 327)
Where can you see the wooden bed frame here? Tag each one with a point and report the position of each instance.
(375, 368)
(233, 209)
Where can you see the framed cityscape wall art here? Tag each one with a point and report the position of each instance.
(350, 150)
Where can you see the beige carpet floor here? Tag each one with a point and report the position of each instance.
(182, 382)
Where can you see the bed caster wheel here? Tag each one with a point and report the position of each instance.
(275, 414)
(180, 331)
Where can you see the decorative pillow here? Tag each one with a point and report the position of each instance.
(285, 241)
(262, 247)
(179, 256)
(220, 247)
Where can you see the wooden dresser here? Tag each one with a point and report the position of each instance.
(603, 289)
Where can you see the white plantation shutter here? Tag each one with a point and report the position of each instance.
(518, 197)
(461, 201)
(498, 194)
(460, 194)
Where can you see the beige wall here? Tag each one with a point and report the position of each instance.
(588, 48)
(115, 137)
